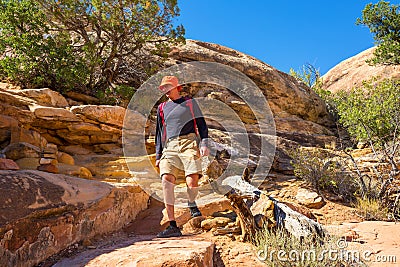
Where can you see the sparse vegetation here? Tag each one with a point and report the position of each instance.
(277, 248)
(371, 114)
(371, 209)
(310, 76)
(324, 171)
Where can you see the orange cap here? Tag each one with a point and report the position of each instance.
(172, 80)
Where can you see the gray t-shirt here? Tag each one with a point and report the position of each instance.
(178, 120)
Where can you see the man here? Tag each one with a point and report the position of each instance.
(180, 124)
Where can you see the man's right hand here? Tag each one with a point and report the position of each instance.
(157, 162)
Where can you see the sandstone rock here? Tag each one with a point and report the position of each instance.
(53, 138)
(48, 161)
(283, 92)
(20, 134)
(208, 224)
(63, 157)
(15, 100)
(193, 226)
(54, 114)
(309, 199)
(7, 123)
(8, 86)
(43, 213)
(49, 155)
(28, 163)
(106, 165)
(50, 148)
(76, 150)
(44, 97)
(22, 114)
(21, 150)
(74, 170)
(48, 168)
(111, 130)
(104, 138)
(111, 148)
(263, 203)
(227, 214)
(73, 138)
(353, 71)
(183, 251)
(84, 128)
(8, 164)
(301, 209)
(86, 99)
(113, 115)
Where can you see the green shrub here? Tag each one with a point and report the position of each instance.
(371, 112)
(324, 171)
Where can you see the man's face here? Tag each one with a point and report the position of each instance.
(166, 88)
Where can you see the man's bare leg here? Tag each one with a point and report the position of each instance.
(192, 183)
(168, 184)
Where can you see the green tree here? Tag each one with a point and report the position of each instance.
(371, 112)
(383, 20)
(31, 55)
(108, 45)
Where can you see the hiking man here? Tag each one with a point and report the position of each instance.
(180, 125)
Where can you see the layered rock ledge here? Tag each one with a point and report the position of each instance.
(43, 213)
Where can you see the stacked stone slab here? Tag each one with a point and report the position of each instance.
(48, 160)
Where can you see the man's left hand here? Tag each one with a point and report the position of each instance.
(204, 151)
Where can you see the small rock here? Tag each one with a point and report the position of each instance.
(48, 168)
(28, 163)
(63, 157)
(8, 164)
(351, 235)
(48, 161)
(309, 199)
(208, 224)
(75, 170)
(193, 225)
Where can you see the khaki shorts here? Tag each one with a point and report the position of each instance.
(181, 157)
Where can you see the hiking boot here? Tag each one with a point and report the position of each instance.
(194, 210)
(171, 231)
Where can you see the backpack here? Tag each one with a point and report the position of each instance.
(189, 103)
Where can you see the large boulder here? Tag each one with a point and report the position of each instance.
(142, 252)
(43, 213)
(296, 108)
(353, 71)
(112, 115)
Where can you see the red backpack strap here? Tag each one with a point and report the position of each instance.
(189, 103)
(161, 109)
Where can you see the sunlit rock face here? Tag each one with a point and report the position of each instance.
(353, 71)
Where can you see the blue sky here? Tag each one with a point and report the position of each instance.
(283, 34)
